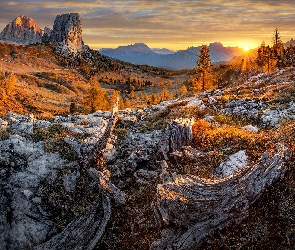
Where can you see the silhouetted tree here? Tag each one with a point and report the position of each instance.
(289, 59)
(266, 57)
(277, 42)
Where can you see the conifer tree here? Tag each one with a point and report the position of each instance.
(73, 107)
(276, 40)
(183, 90)
(153, 99)
(1, 75)
(204, 65)
(271, 56)
(145, 97)
(132, 92)
(127, 103)
(8, 84)
(96, 97)
(121, 104)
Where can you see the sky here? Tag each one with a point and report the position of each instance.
(171, 24)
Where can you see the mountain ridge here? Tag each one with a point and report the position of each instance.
(140, 53)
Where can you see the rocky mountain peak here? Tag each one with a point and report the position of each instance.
(67, 32)
(22, 30)
(26, 23)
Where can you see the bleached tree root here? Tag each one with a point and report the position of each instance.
(189, 208)
(86, 231)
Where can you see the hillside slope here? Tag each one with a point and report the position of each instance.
(47, 83)
(133, 179)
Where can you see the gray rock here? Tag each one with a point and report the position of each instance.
(42, 124)
(21, 124)
(46, 34)
(27, 165)
(70, 179)
(251, 129)
(234, 163)
(3, 124)
(248, 108)
(28, 193)
(67, 33)
(272, 118)
(194, 102)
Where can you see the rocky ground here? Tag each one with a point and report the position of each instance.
(51, 181)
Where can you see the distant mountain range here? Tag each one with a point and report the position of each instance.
(140, 53)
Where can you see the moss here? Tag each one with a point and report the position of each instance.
(84, 122)
(121, 133)
(4, 134)
(54, 140)
(62, 206)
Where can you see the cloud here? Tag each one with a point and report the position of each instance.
(171, 22)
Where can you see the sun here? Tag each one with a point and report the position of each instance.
(246, 48)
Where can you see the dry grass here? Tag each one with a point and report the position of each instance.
(208, 137)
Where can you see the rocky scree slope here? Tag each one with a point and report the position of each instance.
(140, 179)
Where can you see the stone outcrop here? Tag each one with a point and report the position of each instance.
(189, 207)
(22, 30)
(67, 32)
(46, 34)
(93, 181)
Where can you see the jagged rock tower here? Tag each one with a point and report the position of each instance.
(67, 32)
(22, 30)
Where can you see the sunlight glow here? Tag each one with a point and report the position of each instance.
(246, 48)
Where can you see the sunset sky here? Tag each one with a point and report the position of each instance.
(171, 24)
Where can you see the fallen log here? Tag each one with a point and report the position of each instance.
(189, 208)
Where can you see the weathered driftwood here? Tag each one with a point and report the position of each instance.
(189, 154)
(108, 187)
(86, 231)
(190, 207)
(177, 134)
(94, 154)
